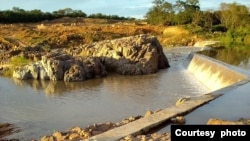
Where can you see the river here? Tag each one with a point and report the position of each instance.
(39, 108)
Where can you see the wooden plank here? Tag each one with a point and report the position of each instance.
(144, 124)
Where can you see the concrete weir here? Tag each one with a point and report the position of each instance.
(219, 77)
(213, 73)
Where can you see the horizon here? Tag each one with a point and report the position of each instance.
(129, 8)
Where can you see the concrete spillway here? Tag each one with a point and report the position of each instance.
(215, 75)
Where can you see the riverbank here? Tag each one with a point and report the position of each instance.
(78, 133)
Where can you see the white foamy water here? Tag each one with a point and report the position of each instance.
(41, 107)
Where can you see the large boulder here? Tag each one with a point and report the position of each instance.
(141, 54)
(134, 55)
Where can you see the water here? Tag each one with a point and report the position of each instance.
(222, 108)
(237, 56)
(39, 108)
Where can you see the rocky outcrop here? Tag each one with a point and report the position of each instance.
(134, 55)
(58, 65)
(141, 54)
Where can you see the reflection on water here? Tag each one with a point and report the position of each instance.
(237, 56)
(42, 107)
(57, 87)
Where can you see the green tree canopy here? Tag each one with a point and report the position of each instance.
(182, 12)
(161, 12)
(233, 15)
(187, 11)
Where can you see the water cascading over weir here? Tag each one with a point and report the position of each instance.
(212, 73)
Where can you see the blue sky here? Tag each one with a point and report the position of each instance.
(126, 8)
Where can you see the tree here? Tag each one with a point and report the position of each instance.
(233, 15)
(187, 11)
(208, 19)
(36, 15)
(161, 12)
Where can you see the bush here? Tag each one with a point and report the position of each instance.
(247, 40)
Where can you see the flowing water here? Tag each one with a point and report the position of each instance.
(39, 108)
(236, 67)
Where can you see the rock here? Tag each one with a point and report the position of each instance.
(245, 121)
(74, 136)
(156, 136)
(61, 66)
(127, 138)
(84, 134)
(76, 130)
(125, 121)
(131, 118)
(58, 136)
(104, 127)
(148, 113)
(43, 75)
(32, 71)
(213, 121)
(148, 137)
(75, 73)
(178, 120)
(22, 73)
(55, 63)
(48, 138)
(136, 55)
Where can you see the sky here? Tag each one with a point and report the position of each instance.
(126, 8)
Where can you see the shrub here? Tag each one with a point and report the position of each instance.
(247, 40)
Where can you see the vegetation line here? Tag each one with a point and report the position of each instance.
(232, 20)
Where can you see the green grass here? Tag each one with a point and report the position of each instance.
(13, 63)
(18, 61)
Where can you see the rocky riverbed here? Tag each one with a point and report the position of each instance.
(78, 133)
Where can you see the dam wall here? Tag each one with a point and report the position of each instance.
(212, 73)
